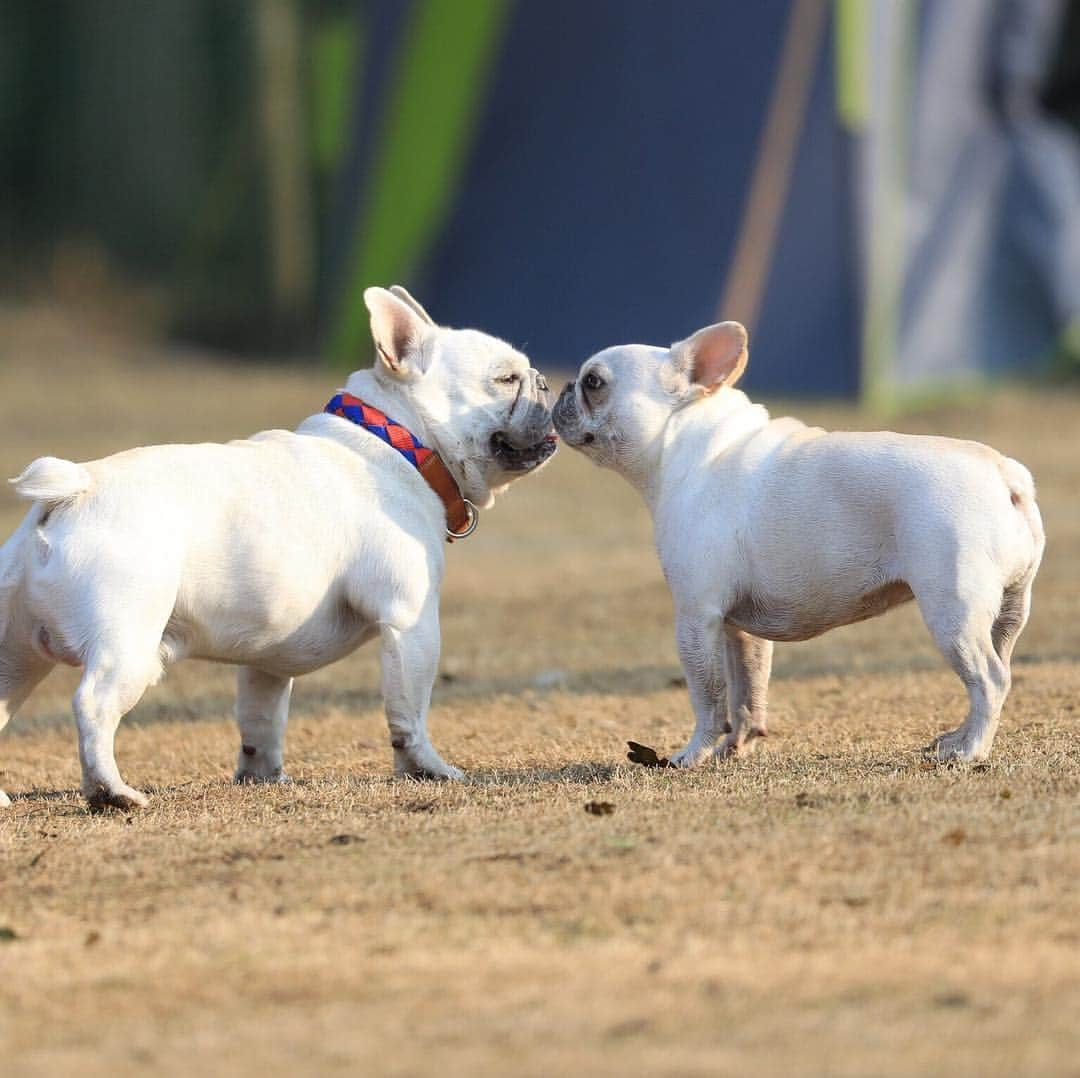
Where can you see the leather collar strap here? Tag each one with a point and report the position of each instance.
(461, 515)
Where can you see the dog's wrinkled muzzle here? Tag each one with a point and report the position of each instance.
(528, 439)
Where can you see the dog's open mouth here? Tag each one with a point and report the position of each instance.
(514, 458)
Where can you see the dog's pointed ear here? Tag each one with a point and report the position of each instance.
(405, 296)
(713, 357)
(399, 332)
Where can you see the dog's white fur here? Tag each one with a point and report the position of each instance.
(771, 530)
(280, 553)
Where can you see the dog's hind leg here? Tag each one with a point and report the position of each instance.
(262, 710)
(701, 649)
(1011, 619)
(1004, 632)
(749, 665)
(20, 672)
(21, 666)
(962, 622)
(114, 680)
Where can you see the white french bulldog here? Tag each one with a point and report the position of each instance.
(772, 530)
(280, 553)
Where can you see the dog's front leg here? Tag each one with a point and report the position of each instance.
(262, 710)
(701, 650)
(749, 664)
(410, 660)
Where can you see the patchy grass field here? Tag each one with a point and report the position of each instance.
(832, 905)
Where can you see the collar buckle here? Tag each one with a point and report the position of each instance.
(470, 527)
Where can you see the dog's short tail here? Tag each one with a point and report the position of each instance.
(1018, 478)
(49, 482)
(52, 480)
(1022, 492)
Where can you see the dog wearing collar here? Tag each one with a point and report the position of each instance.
(771, 530)
(280, 553)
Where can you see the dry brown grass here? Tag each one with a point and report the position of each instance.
(833, 905)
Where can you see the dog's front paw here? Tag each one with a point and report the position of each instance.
(4, 800)
(259, 764)
(448, 774)
(954, 747)
(125, 798)
(445, 773)
(250, 778)
(425, 765)
(741, 744)
(693, 756)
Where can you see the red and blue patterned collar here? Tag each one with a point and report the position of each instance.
(461, 515)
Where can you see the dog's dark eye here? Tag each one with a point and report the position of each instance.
(592, 381)
(509, 379)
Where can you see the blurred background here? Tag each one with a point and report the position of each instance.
(886, 191)
(193, 196)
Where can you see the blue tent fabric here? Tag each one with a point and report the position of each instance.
(807, 340)
(607, 184)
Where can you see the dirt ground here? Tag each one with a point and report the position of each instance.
(834, 905)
